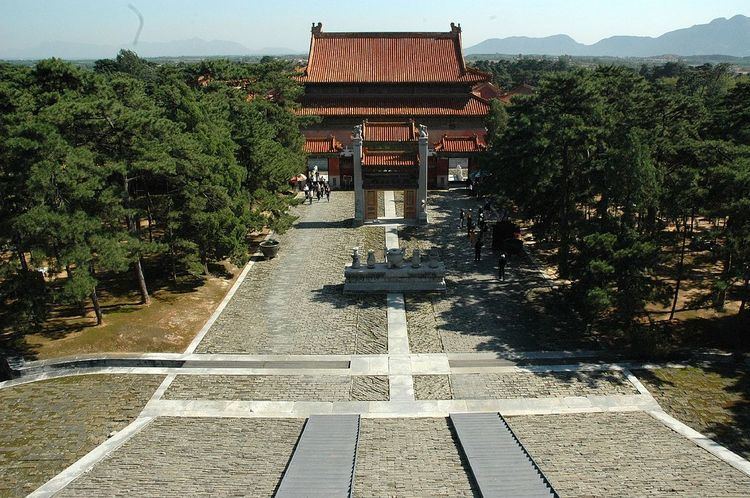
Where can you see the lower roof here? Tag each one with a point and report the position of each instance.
(402, 106)
(389, 159)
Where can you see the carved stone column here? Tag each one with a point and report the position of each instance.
(359, 193)
(422, 189)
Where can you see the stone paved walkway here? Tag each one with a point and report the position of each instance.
(479, 313)
(196, 457)
(46, 426)
(279, 387)
(623, 454)
(519, 385)
(294, 303)
(228, 425)
(410, 457)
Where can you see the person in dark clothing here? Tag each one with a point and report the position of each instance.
(461, 217)
(501, 266)
(478, 249)
(469, 223)
(328, 192)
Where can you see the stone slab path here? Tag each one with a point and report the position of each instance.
(289, 345)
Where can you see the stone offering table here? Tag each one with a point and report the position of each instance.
(382, 279)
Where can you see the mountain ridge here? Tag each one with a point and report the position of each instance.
(721, 36)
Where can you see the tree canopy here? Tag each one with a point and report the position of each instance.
(101, 169)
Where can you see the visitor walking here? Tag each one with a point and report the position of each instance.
(306, 190)
(478, 249)
(501, 266)
(461, 217)
(328, 192)
(470, 223)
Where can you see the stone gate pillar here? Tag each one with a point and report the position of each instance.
(359, 194)
(422, 189)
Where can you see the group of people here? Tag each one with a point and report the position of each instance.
(475, 231)
(317, 188)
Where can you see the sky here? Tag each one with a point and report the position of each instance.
(286, 23)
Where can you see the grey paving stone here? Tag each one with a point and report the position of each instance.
(370, 388)
(623, 454)
(195, 457)
(539, 385)
(46, 426)
(294, 304)
(279, 387)
(478, 312)
(432, 387)
(410, 457)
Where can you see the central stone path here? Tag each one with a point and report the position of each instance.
(399, 363)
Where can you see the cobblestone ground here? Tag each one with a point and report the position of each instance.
(46, 426)
(196, 457)
(294, 303)
(521, 385)
(714, 400)
(279, 387)
(623, 454)
(539, 385)
(410, 457)
(432, 387)
(478, 312)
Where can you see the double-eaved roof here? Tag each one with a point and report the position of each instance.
(388, 58)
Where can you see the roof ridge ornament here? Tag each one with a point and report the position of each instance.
(455, 28)
(317, 28)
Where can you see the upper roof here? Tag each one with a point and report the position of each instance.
(388, 58)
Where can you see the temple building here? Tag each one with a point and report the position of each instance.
(414, 102)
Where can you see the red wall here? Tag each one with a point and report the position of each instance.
(333, 166)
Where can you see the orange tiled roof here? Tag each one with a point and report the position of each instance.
(470, 143)
(486, 90)
(389, 159)
(327, 145)
(388, 58)
(440, 105)
(386, 131)
(523, 89)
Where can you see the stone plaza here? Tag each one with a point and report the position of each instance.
(288, 343)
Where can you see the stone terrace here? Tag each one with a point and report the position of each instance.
(46, 426)
(623, 454)
(190, 457)
(294, 304)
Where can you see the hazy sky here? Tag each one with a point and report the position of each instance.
(286, 23)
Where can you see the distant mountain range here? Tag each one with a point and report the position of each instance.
(719, 37)
(177, 48)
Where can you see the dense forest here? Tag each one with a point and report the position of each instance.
(625, 173)
(102, 168)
